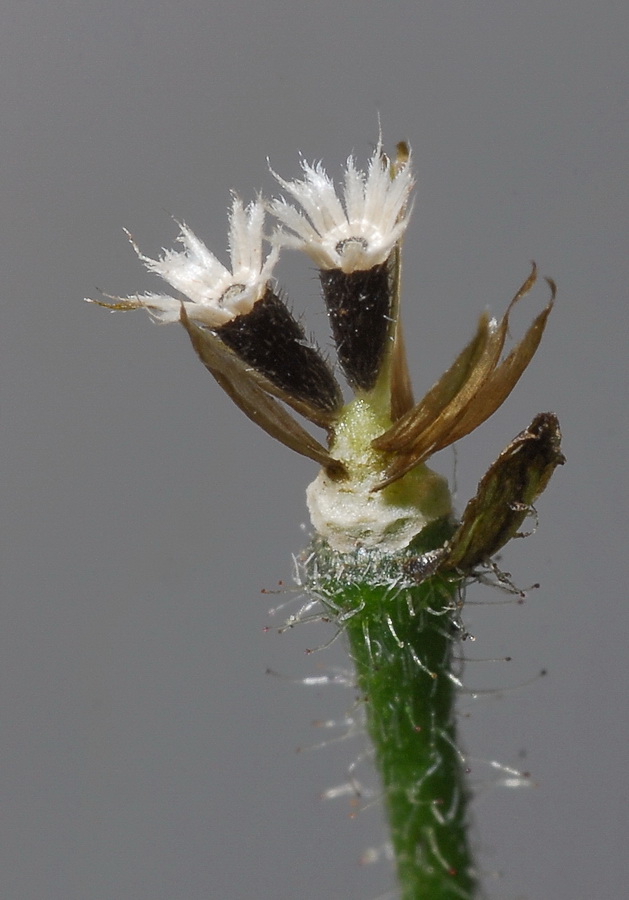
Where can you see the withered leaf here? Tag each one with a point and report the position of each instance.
(400, 387)
(428, 411)
(251, 392)
(467, 394)
(505, 495)
(395, 362)
(503, 379)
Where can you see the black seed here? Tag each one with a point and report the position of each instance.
(270, 340)
(358, 308)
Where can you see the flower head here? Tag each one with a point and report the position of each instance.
(358, 233)
(214, 295)
(374, 488)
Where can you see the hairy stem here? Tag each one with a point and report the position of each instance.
(402, 638)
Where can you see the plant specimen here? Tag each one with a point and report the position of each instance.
(388, 560)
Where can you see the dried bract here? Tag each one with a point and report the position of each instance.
(505, 495)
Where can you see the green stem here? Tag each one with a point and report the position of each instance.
(401, 637)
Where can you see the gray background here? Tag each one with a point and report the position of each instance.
(143, 752)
